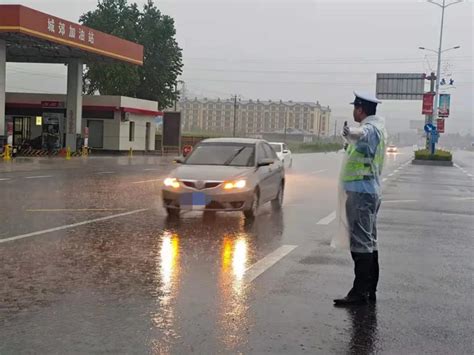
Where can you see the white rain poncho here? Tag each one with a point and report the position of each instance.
(356, 215)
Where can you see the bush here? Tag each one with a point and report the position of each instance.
(440, 155)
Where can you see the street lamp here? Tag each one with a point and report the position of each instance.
(434, 51)
(443, 6)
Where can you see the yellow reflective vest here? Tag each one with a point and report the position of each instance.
(360, 166)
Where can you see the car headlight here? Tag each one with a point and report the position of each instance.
(238, 184)
(171, 182)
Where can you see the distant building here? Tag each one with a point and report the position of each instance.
(253, 117)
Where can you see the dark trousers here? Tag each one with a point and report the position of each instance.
(366, 270)
(362, 210)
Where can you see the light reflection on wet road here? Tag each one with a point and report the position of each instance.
(145, 284)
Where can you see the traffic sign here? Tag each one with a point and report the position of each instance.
(187, 149)
(429, 128)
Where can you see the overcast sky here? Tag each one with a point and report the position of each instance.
(300, 50)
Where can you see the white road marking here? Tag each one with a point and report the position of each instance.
(317, 171)
(4, 179)
(328, 219)
(105, 172)
(154, 169)
(68, 226)
(463, 198)
(389, 175)
(384, 179)
(145, 181)
(294, 204)
(463, 170)
(267, 262)
(38, 177)
(396, 201)
(75, 209)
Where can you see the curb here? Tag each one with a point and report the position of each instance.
(432, 162)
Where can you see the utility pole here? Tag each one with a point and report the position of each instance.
(235, 115)
(429, 118)
(286, 124)
(335, 128)
(432, 118)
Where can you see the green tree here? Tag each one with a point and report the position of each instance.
(162, 64)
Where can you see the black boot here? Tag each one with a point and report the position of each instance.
(360, 290)
(352, 299)
(374, 277)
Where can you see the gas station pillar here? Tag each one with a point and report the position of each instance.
(3, 75)
(74, 103)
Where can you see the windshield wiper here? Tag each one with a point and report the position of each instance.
(228, 161)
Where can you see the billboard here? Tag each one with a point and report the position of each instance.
(427, 103)
(400, 86)
(440, 125)
(443, 106)
(171, 129)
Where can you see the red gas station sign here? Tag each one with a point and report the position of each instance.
(52, 104)
(36, 24)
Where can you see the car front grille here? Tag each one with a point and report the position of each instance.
(201, 185)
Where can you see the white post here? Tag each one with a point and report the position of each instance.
(73, 103)
(3, 75)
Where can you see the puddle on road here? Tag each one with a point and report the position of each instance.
(187, 275)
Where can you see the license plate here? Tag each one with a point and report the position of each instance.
(194, 200)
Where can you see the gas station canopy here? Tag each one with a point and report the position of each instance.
(31, 36)
(35, 37)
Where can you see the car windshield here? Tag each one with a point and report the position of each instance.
(232, 154)
(276, 147)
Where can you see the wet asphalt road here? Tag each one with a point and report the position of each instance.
(136, 282)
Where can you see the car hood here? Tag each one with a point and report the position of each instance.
(210, 172)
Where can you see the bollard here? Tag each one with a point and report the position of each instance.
(7, 156)
(130, 152)
(68, 153)
(85, 151)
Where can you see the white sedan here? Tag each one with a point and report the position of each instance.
(392, 149)
(283, 153)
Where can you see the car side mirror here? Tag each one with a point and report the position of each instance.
(265, 162)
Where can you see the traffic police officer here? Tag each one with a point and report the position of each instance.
(360, 179)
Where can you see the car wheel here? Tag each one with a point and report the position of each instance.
(277, 203)
(173, 212)
(253, 210)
